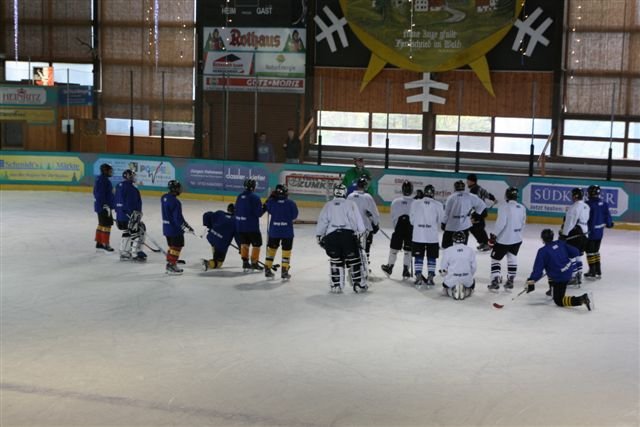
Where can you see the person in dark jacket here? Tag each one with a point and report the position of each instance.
(129, 218)
(173, 225)
(292, 147)
(222, 230)
(599, 218)
(248, 212)
(103, 202)
(477, 218)
(283, 212)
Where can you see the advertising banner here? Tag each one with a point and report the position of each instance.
(149, 173)
(35, 105)
(240, 59)
(310, 183)
(58, 169)
(205, 176)
(389, 186)
(556, 198)
(235, 175)
(76, 95)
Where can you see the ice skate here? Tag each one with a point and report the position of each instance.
(406, 274)
(125, 256)
(246, 266)
(420, 280)
(256, 267)
(549, 293)
(591, 275)
(205, 264)
(173, 269)
(458, 291)
(509, 285)
(358, 288)
(495, 284)
(336, 289)
(387, 269)
(285, 274)
(268, 273)
(106, 247)
(140, 257)
(484, 247)
(429, 281)
(586, 299)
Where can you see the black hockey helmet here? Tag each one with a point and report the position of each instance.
(459, 237)
(472, 177)
(577, 194)
(174, 186)
(231, 208)
(511, 193)
(594, 191)
(281, 190)
(407, 188)
(419, 194)
(106, 169)
(458, 185)
(339, 190)
(547, 235)
(363, 182)
(129, 175)
(250, 184)
(429, 191)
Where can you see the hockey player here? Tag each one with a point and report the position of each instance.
(368, 212)
(129, 218)
(283, 212)
(425, 216)
(338, 230)
(221, 227)
(575, 227)
(173, 225)
(402, 230)
(555, 258)
(507, 235)
(477, 218)
(458, 266)
(103, 202)
(248, 213)
(599, 218)
(457, 211)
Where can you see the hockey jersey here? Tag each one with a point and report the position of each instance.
(222, 229)
(400, 206)
(367, 208)
(577, 214)
(459, 261)
(248, 212)
(510, 222)
(102, 193)
(339, 214)
(458, 209)
(127, 200)
(172, 219)
(283, 212)
(558, 259)
(483, 195)
(599, 218)
(426, 215)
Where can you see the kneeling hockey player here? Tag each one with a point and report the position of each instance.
(556, 258)
(458, 266)
(221, 227)
(402, 231)
(338, 230)
(426, 215)
(283, 212)
(129, 218)
(173, 225)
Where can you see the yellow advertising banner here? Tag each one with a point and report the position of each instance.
(40, 168)
(32, 115)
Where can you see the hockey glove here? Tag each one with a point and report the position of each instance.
(107, 209)
(376, 228)
(442, 272)
(531, 286)
(492, 239)
(320, 241)
(611, 225)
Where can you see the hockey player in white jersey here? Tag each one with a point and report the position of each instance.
(507, 235)
(402, 231)
(457, 213)
(368, 211)
(339, 227)
(458, 266)
(575, 227)
(426, 216)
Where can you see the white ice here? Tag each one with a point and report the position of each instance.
(87, 340)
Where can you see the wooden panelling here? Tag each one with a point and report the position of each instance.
(150, 145)
(513, 90)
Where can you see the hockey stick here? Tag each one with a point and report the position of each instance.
(156, 250)
(155, 243)
(496, 305)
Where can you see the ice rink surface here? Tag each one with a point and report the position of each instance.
(88, 340)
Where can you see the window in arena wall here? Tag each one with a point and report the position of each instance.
(520, 125)
(397, 121)
(513, 145)
(173, 129)
(593, 128)
(121, 127)
(468, 143)
(345, 138)
(79, 74)
(467, 123)
(407, 141)
(343, 119)
(591, 149)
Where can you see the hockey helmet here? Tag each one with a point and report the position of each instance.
(174, 186)
(231, 208)
(594, 191)
(339, 190)
(419, 194)
(129, 175)
(363, 182)
(106, 169)
(547, 235)
(429, 191)
(511, 193)
(458, 185)
(577, 194)
(281, 190)
(250, 184)
(472, 177)
(407, 188)
(459, 237)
